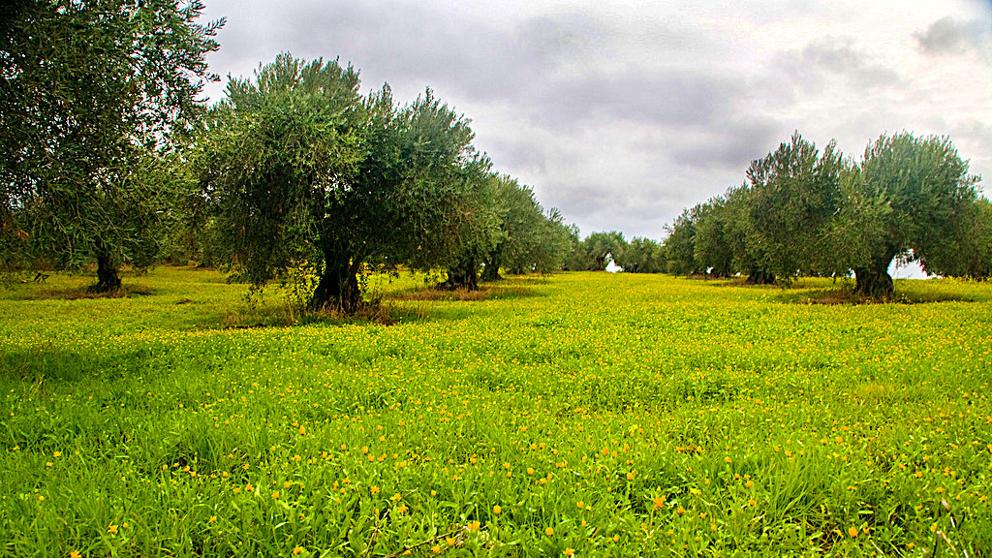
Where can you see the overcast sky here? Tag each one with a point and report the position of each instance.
(622, 114)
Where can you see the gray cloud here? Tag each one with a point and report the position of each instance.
(731, 146)
(825, 61)
(521, 155)
(620, 116)
(559, 40)
(681, 97)
(550, 66)
(948, 35)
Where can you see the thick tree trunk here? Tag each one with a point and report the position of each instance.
(338, 285)
(760, 277)
(491, 271)
(718, 272)
(107, 277)
(874, 282)
(465, 276)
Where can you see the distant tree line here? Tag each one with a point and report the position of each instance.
(109, 156)
(594, 253)
(802, 211)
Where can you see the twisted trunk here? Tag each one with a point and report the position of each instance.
(760, 277)
(465, 275)
(873, 280)
(491, 271)
(108, 278)
(338, 285)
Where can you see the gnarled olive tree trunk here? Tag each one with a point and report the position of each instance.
(491, 270)
(108, 278)
(760, 277)
(465, 275)
(338, 285)
(873, 283)
(873, 280)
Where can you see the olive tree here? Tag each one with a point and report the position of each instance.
(907, 196)
(793, 196)
(94, 98)
(307, 172)
(642, 255)
(974, 261)
(711, 247)
(477, 234)
(530, 239)
(680, 244)
(557, 242)
(596, 250)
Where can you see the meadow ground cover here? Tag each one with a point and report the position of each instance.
(582, 413)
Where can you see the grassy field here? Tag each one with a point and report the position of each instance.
(594, 414)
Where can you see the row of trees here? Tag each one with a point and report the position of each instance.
(640, 255)
(303, 170)
(802, 211)
(110, 156)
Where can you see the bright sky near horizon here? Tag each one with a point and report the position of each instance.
(621, 114)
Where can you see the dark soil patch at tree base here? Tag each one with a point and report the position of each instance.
(849, 297)
(483, 293)
(86, 293)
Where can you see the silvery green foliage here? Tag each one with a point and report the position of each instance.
(94, 96)
(304, 170)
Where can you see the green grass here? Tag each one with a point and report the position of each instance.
(630, 414)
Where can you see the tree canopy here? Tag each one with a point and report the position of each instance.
(803, 211)
(793, 195)
(94, 96)
(911, 196)
(305, 171)
(530, 239)
(642, 255)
